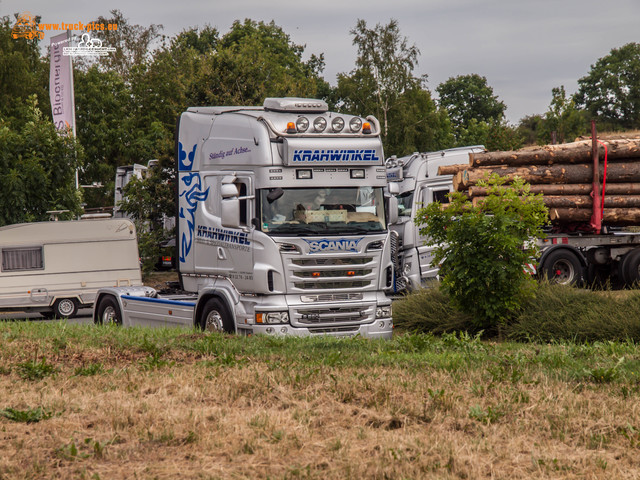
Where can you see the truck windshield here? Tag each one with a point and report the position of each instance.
(322, 211)
(405, 203)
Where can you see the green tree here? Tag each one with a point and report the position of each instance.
(469, 97)
(37, 168)
(104, 112)
(149, 201)
(563, 118)
(383, 84)
(494, 135)
(134, 44)
(255, 60)
(126, 104)
(610, 92)
(481, 249)
(529, 128)
(419, 126)
(23, 72)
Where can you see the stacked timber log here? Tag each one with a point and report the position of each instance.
(564, 175)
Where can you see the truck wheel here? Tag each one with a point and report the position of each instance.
(65, 307)
(108, 312)
(630, 267)
(562, 267)
(215, 317)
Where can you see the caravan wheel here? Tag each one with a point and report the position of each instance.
(65, 308)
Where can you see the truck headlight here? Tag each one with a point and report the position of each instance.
(272, 317)
(383, 311)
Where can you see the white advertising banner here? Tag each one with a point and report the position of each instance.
(61, 85)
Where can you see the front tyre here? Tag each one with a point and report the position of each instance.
(108, 312)
(215, 317)
(65, 308)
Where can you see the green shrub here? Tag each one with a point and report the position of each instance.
(481, 249)
(569, 313)
(430, 310)
(554, 313)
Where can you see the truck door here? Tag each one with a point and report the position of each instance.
(427, 195)
(235, 251)
(207, 222)
(221, 250)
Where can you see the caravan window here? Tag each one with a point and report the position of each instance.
(22, 259)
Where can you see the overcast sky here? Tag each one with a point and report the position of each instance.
(523, 47)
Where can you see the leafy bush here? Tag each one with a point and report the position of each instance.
(553, 313)
(429, 310)
(564, 312)
(482, 249)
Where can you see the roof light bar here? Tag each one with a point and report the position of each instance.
(294, 104)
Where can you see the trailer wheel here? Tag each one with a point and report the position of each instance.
(215, 317)
(630, 267)
(109, 312)
(65, 307)
(562, 267)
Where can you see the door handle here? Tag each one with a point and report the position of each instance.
(221, 254)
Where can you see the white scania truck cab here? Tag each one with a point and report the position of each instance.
(283, 226)
(418, 184)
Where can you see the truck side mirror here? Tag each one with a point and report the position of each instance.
(392, 209)
(230, 214)
(394, 188)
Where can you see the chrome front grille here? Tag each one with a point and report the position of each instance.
(331, 297)
(315, 262)
(334, 315)
(332, 273)
(313, 316)
(345, 272)
(340, 330)
(332, 285)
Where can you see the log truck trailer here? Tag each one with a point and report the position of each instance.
(566, 256)
(282, 226)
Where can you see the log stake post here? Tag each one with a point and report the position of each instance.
(596, 215)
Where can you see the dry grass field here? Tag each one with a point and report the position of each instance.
(101, 402)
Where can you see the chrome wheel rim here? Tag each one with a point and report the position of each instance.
(213, 322)
(109, 315)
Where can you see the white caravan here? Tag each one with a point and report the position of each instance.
(55, 268)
